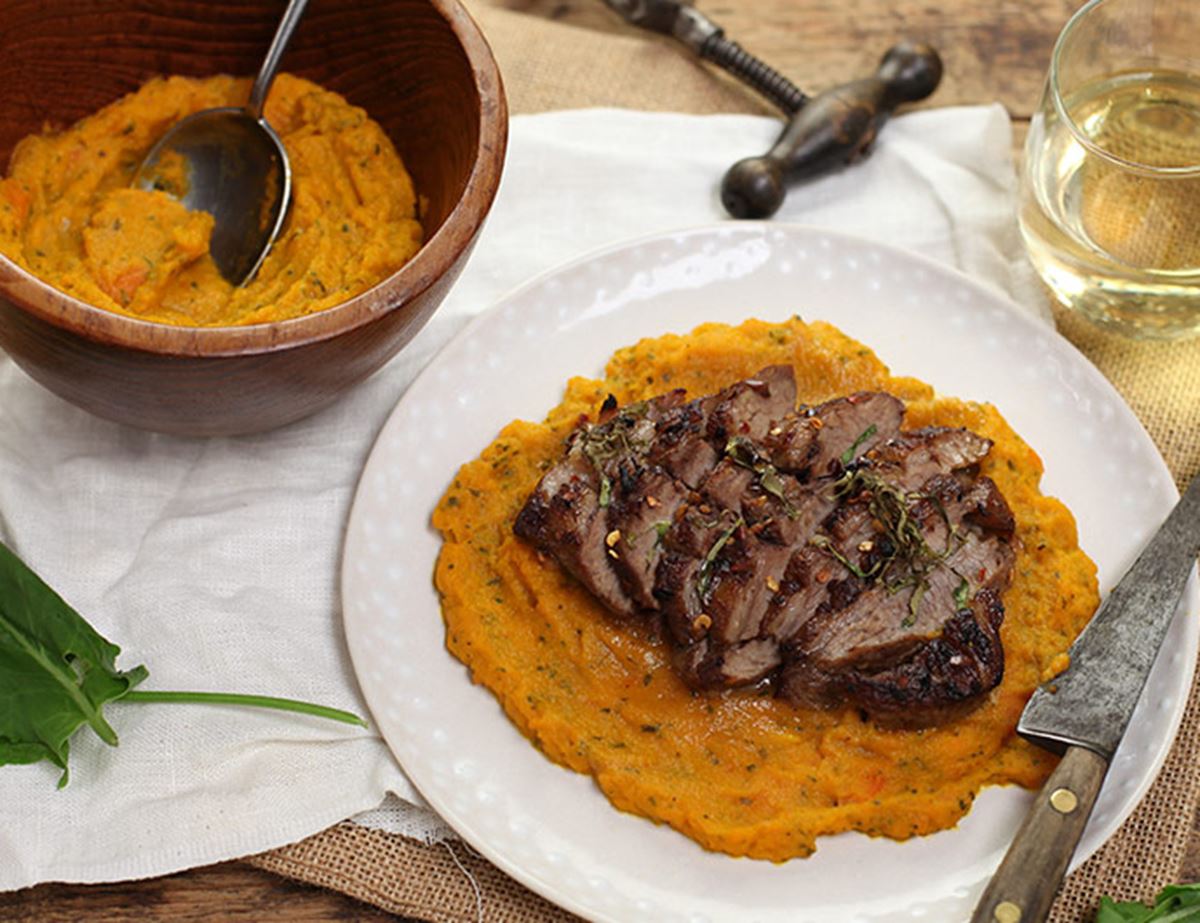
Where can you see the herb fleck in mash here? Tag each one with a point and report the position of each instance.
(742, 772)
(68, 216)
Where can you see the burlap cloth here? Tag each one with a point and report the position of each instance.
(548, 65)
(1143, 220)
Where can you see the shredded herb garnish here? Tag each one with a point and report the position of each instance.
(744, 453)
(905, 558)
(704, 581)
(914, 603)
(605, 491)
(866, 434)
(823, 542)
(613, 440)
(962, 594)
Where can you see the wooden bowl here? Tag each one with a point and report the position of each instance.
(420, 68)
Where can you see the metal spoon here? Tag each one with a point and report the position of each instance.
(236, 167)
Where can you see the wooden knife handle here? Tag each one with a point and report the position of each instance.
(1024, 886)
(832, 129)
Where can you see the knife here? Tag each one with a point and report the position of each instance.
(1082, 714)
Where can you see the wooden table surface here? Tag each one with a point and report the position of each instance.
(992, 49)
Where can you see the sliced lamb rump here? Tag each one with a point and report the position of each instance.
(730, 665)
(755, 585)
(911, 459)
(750, 408)
(823, 549)
(867, 626)
(601, 510)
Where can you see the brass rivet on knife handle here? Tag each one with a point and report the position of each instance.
(835, 128)
(1037, 860)
(1063, 800)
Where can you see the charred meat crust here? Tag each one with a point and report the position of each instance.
(812, 444)
(944, 677)
(821, 549)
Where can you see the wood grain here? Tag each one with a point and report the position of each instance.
(1045, 842)
(993, 49)
(231, 891)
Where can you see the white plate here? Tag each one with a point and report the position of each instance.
(551, 828)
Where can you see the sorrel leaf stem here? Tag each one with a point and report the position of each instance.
(251, 701)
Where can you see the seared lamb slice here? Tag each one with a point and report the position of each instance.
(691, 438)
(877, 627)
(815, 579)
(681, 446)
(685, 570)
(728, 486)
(804, 586)
(914, 457)
(563, 518)
(653, 409)
(724, 646)
(745, 575)
(872, 651)
(887, 615)
(985, 507)
(793, 522)
(749, 408)
(944, 675)
(731, 665)
(913, 597)
(715, 577)
(721, 562)
(641, 512)
(822, 440)
(781, 509)
(719, 617)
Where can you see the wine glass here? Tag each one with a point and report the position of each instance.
(1110, 193)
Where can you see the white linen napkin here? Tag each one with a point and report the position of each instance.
(215, 562)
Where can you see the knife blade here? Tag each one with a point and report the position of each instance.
(1083, 713)
(1091, 703)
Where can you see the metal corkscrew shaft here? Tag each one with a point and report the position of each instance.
(758, 75)
(682, 21)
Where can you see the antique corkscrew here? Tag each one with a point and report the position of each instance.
(834, 128)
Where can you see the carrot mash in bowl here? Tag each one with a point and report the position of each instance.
(69, 216)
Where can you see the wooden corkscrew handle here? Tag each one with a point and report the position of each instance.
(835, 128)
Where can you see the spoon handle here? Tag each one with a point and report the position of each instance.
(270, 64)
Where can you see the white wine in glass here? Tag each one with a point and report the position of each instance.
(1110, 206)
